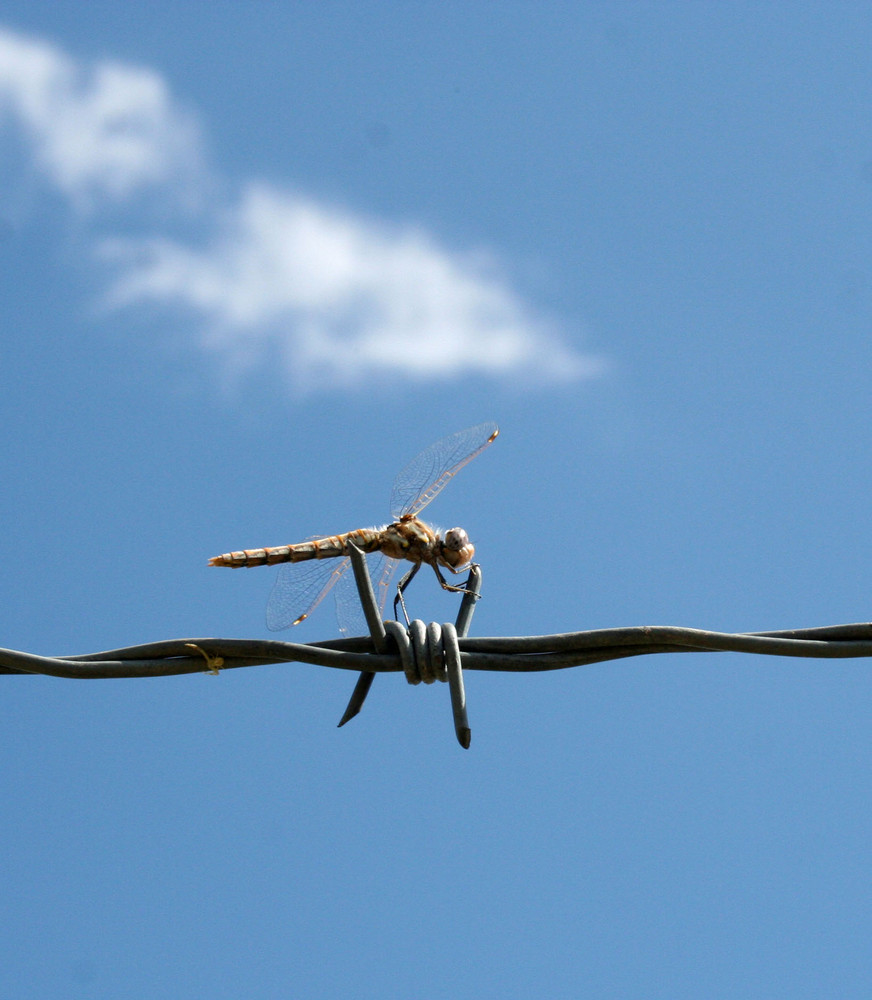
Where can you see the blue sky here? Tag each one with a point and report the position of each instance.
(254, 258)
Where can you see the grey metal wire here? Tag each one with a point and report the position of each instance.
(437, 652)
(520, 654)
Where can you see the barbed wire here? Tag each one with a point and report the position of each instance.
(428, 653)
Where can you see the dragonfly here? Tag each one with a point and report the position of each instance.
(306, 578)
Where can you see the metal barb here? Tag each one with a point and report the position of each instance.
(358, 697)
(450, 634)
(428, 652)
(376, 630)
(451, 651)
(367, 597)
(431, 653)
(471, 594)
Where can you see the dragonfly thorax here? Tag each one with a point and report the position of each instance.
(412, 539)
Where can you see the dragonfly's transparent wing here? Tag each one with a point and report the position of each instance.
(299, 589)
(349, 612)
(425, 476)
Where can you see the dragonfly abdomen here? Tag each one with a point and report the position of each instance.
(329, 547)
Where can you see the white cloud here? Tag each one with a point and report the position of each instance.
(335, 295)
(341, 297)
(101, 132)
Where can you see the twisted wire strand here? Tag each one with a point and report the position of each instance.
(521, 654)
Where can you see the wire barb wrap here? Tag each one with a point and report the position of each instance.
(420, 648)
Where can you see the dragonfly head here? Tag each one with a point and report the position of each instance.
(457, 550)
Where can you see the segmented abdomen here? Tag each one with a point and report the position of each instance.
(316, 548)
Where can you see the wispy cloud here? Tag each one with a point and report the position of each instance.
(341, 297)
(97, 133)
(335, 295)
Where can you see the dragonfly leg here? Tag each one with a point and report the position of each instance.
(401, 586)
(450, 586)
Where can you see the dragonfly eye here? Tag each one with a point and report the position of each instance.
(456, 539)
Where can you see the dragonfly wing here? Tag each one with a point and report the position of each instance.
(349, 611)
(427, 475)
(299, 589)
